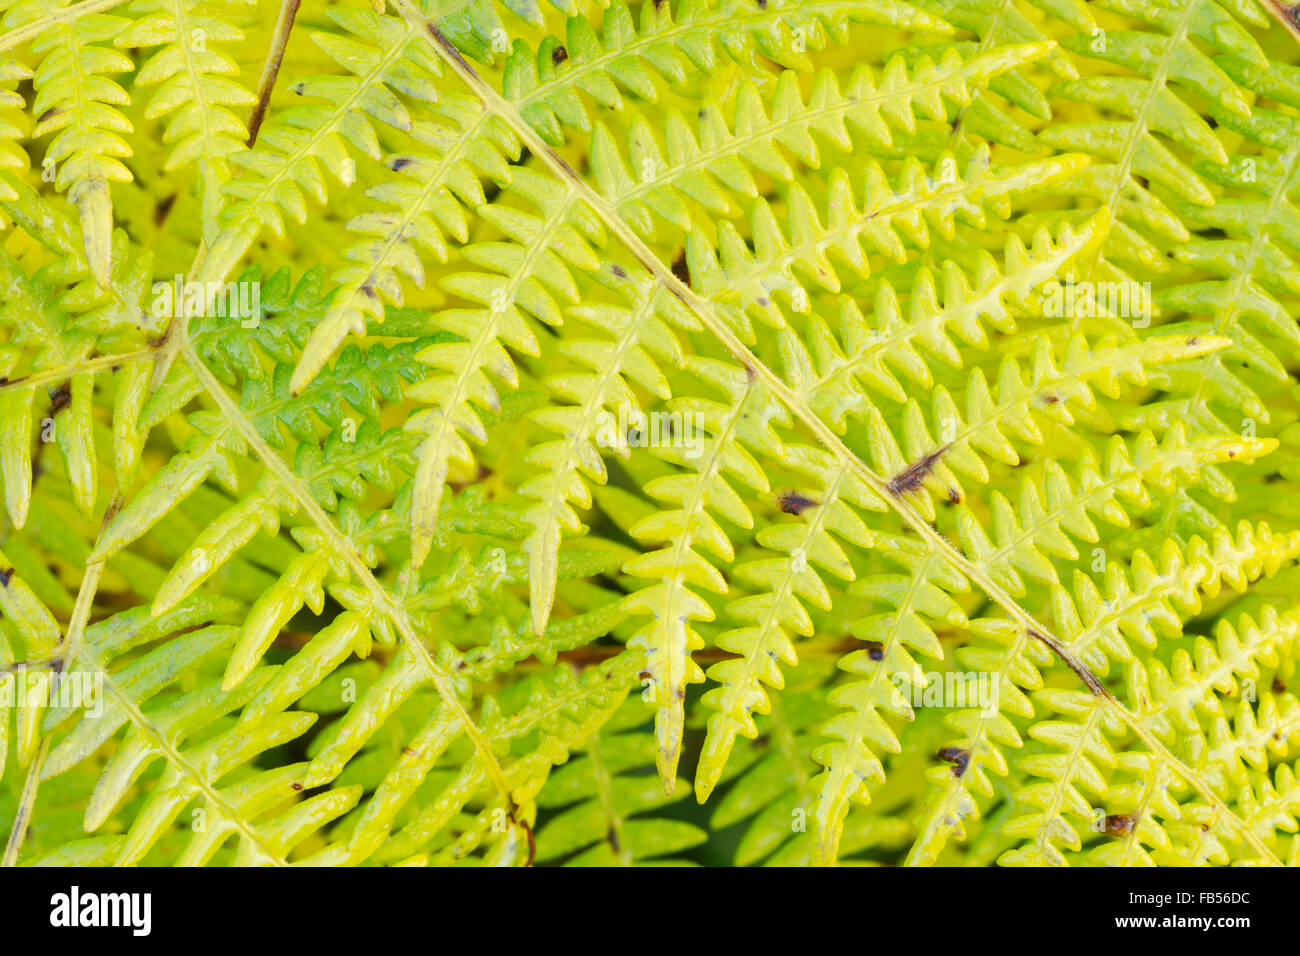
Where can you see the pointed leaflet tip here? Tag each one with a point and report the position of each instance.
(426, 497)
(669, 722)
(16, 451)
(309, 365)
(95, 206)
(543, 568)
(703, 789)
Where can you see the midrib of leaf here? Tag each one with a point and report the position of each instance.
(57, 18)
(1204, 683)
(831, 815)
(425, 504)
(1229, 318)
(290, 482)
(999, 413)
(181, 15)
(1230, 752)
(1100, 494)
(233, 241)
(1123, 168)
(937, 543)
(64, 372)
(905, 204)
(670, 715)
(1066, 778)
(344, 303)
(711, 767)
(1153, 785)
(733, 145)
(545, 539)
(178, 760)
(942, 819)
(1158, 590)
(755, 17)
(600, 773)
(1139, 127)
(70, 645)
(986, 42)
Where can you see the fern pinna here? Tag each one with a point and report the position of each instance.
(691, 431)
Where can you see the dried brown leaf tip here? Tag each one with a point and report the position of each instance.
(794, 503)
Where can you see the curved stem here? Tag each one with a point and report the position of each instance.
(271, 68)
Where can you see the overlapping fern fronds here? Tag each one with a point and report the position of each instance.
(879, 413)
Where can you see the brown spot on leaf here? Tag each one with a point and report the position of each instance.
(1120, 824)
(296, 785)
(875, 650)
(681, 270)
(957, 756)
(61, 397)
(1279, 685)
(559, 55)
(793, 503)
(163, 208)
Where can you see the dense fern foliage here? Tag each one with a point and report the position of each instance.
(722, 431)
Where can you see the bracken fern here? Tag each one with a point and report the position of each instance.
(878, 413)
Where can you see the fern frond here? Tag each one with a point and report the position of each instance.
(843, 358)
(76, 100)
(195, 90)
